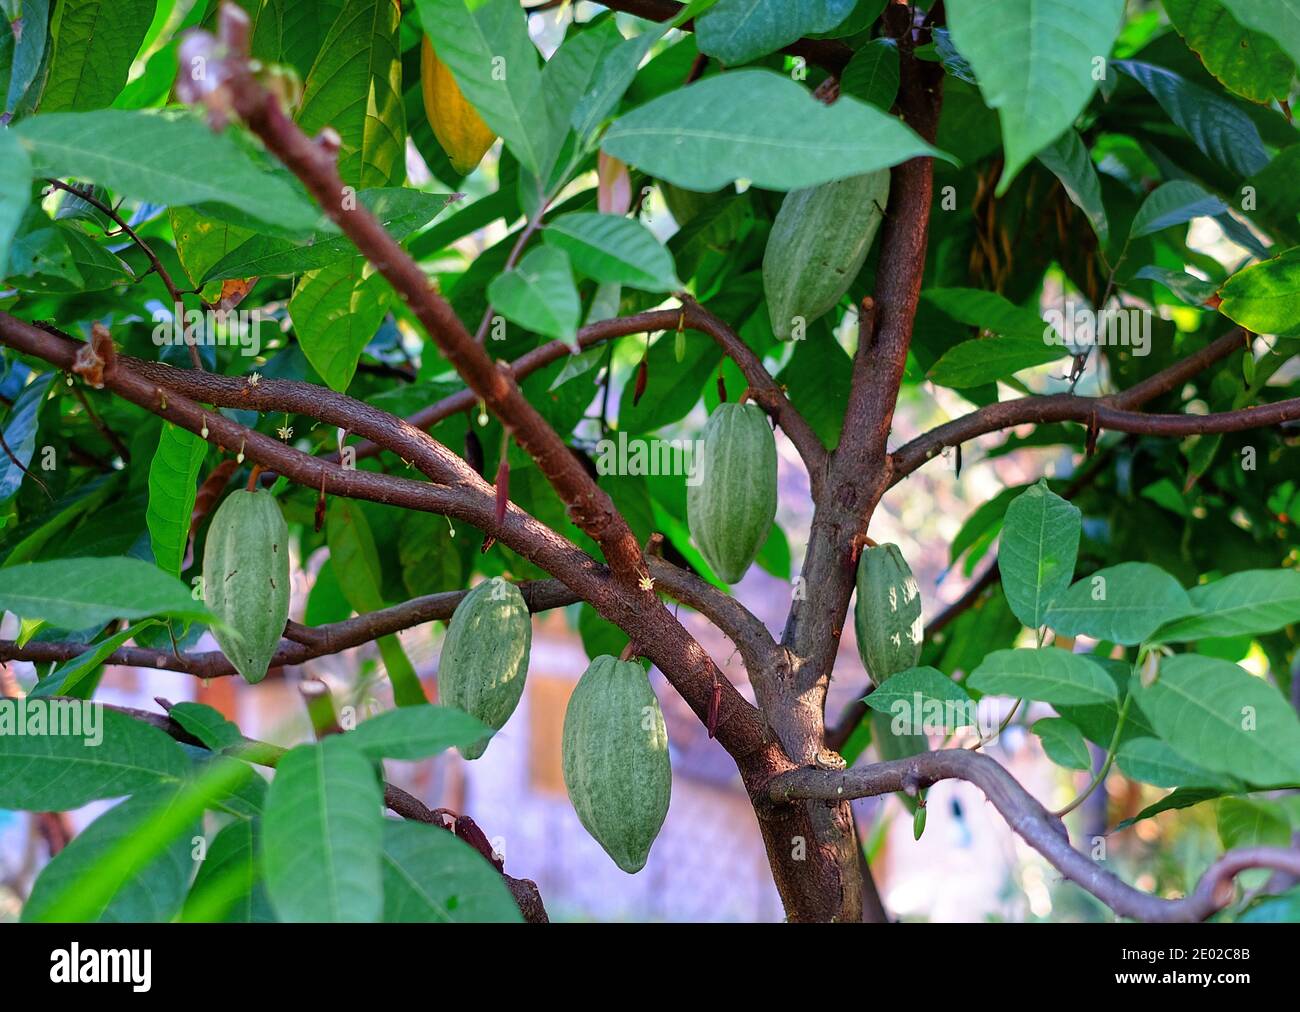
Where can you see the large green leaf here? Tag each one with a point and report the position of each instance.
(355, 86)
(760, 126)
(55, 772)
(20, 434)
(1263, 297)
(539, 294)
(28, 56)
(355, 560)
(84, 592)
(1245, 61)
(15, 188)
(1216, 715)
(227, 888)
(1251, 822)
(985, 360)
(1063, 743)
(164, 158)
(1068, 159)
(400, 210)
(612, 249)
(172, 489)
(1120, 604)
(417, 732)
(1278, 19)
(1037, 63)
(989, 311)
(432, 877)
(1174, 203)
(336, 311)
(614, 75)
(153, 893)
(1219, 128)
(70, 678)
(1048, 674)
(323, 833)
(486, 45)
(1250, 603)
(872, 75)
(1152, 761)
(1040, 542)
(737, 31)
(925, 696)
(202, 240)
(93, 43)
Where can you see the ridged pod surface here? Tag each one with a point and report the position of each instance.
(457, 125)
(484, 658)
(817, 245)
(616, 766)
(887, 616)
(246, 579)
(730, 510)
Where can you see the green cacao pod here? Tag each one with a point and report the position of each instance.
(731, 507)
(616, 767)
(888, 613)
(817, 245)
(484, 658)
(246, 579)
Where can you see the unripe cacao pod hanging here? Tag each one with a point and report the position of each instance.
(887, 616)
(616, 765)
(484, 658)
(817, 245)
(457, 125)
(730, 509)
(246, 579)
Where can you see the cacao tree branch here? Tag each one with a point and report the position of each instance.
(1115, 411)
(1034, 824)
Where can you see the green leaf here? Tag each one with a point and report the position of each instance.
(29, 54)
(574, 68)
(20, 434)
(336, 311)
(1035, 61)
(80, 593)
(1063, 743)
(1174, 203)
(55, 772)
(1278, 19)
(612, 249)
(737, 31)
(1040, 542)
(989, 311)
(227, 889)
(92, 45)
(1262, 298)
(1190, 289)
(1183, 797)
(760, 126)
(202, 240)
(872, 75)
(355, 560)
(1247, 822)
(1120, 604)
(154, 892)
(486, 45)
(416, 732)
(323, 833)
(1220, 129)
(1218, 716)
(1049, 675)
(207, 725)
(1249, 603)
(1068, 160)
(1152, 761)
(1246, 62)
(173, 473)
(1284, 908)
(613, 77)
(400, 210)
(926, 695)
(65, 680)
(355, 86)
(539, 294)
(164, 158)
(15, 188)
(432, 877)
(985, 360)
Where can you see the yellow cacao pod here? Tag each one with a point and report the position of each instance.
(457, 125)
